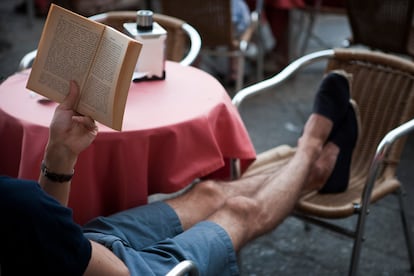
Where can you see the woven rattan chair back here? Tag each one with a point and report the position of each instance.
(211, 18)
(384, 25)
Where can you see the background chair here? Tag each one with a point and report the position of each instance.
(212, 19)
(384, 25)
(183, 41)
(381, 82)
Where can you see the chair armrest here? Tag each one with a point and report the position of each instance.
(183, 268)
(195, 46)
(279, 78)
(382, 151)
(27, 60)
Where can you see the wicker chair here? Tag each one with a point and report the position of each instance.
(212, 19)
(381, 83)
(384, 25)
(183, 41)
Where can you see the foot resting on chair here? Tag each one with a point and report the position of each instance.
(332, 101)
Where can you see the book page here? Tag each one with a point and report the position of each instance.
(101, 92)
(66, 50)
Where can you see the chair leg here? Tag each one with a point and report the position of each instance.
(359, 235)
(260, 53)
(358, 239)
(407, 232)
(240, 72)
(309, 32)
(260, 61)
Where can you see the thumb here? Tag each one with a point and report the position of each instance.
(71, 98)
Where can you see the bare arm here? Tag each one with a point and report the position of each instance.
(103, 262)
(69, 134)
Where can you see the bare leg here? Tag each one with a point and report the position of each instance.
(275, 160)
(244, 207)
(245, 218)
(207, 197)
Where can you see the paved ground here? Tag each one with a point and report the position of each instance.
(288, 250)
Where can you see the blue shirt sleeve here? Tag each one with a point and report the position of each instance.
(39, 234)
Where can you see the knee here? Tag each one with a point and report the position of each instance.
(209, 188)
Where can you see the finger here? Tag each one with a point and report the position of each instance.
(86, 121)
(71, 98)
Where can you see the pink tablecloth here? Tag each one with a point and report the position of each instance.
(174, 131)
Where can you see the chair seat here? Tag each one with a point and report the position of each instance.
(342, 205)
(339, 205)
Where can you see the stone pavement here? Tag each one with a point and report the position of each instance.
(289, 249)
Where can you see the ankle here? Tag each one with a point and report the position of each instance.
(310, 146)
(318, 127)
(323, 167)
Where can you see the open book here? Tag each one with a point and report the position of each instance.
(99, 58)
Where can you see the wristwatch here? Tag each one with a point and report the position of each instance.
(55, 177)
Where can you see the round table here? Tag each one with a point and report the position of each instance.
(174, 131)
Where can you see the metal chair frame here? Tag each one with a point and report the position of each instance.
(183, 268)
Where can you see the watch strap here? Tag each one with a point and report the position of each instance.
(55, 177)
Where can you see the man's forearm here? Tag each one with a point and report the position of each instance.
(70, 133)
(57, 167)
